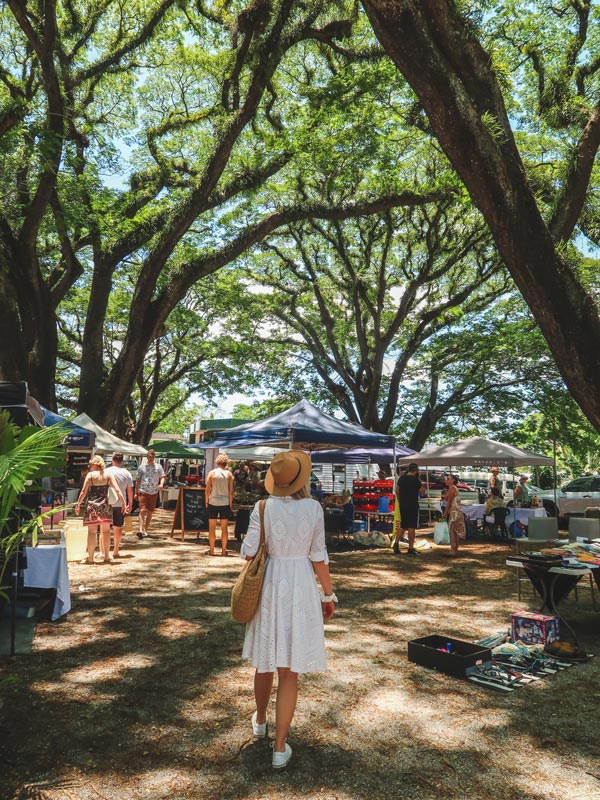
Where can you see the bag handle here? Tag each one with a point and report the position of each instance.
(261, 509)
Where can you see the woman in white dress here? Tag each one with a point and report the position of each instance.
(287, 634)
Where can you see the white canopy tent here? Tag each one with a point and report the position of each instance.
(107, 442)
(477, 452)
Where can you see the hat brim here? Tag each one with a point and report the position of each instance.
(304, 468)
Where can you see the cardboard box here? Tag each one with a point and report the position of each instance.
(530, 627)
(464, 656)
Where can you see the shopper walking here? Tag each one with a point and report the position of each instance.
(119, 511)
(150, 478)
(97, 510)
(286, 635)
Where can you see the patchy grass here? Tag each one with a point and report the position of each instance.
(141, 693)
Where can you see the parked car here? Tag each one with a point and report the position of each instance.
(437, 482)
(574, 497)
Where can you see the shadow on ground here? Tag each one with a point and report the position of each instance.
(141, 693)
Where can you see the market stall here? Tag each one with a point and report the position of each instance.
(301, 427)
(107, 442)
(79, 445)
(477, 452)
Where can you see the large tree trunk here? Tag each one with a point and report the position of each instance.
(451, 75)
(28, 336)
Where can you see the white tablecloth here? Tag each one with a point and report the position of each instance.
(169, 494)
(475, 511)
(47, 569)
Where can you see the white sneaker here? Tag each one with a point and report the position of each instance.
(260, 731)
(280, 760)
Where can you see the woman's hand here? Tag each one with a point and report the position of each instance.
(328, 609)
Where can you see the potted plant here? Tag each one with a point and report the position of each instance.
(26, 455)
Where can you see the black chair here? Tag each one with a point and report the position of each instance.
(497, 528)
(339, 525)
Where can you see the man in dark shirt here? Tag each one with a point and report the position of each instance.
(408, 490)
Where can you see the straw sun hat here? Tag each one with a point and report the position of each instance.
(289, 472)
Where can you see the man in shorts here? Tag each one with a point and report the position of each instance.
(125, 484)
(408, 491)
(219, 499)
(150, 478)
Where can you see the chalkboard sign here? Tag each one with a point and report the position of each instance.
(190, 511)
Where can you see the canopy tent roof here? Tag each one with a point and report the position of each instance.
(107, 442)
(258, 453)
(302, 427)
(173, 449)
(477, 452)
(361, 455)
(77, 436)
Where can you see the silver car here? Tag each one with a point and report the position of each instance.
(574, 497)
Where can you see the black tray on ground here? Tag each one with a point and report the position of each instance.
(464, 656)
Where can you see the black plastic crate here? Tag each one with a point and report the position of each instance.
(464, 656)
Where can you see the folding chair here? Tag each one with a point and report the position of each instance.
(498, 526)
(584, 528)
(542, 529)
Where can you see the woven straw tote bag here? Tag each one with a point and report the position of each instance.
(245, 595)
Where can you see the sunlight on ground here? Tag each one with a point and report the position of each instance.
(107, 669)
(177, 628)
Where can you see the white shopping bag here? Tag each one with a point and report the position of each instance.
(441, 535)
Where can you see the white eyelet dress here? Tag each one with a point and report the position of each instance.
(287, 630)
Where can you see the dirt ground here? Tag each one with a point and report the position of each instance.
(140, 693)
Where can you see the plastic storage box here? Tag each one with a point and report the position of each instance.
(459, 662)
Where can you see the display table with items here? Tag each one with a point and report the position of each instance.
(47, 568)
(555, 572)
(474, 511)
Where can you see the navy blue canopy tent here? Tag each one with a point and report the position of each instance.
(301, 427)
(360, 455)
(77, 437)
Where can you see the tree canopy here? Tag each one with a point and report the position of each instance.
(220, 114)
(489, 85)
(147, 145)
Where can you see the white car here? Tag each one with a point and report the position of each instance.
(574, 497)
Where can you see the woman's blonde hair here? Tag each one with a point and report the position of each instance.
(222, 458)
(98, 461)
(302, 492)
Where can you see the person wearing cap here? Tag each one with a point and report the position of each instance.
(522, 492)
(287, 633)
(120, 510)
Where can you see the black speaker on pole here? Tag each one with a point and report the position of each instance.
(13, 398)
